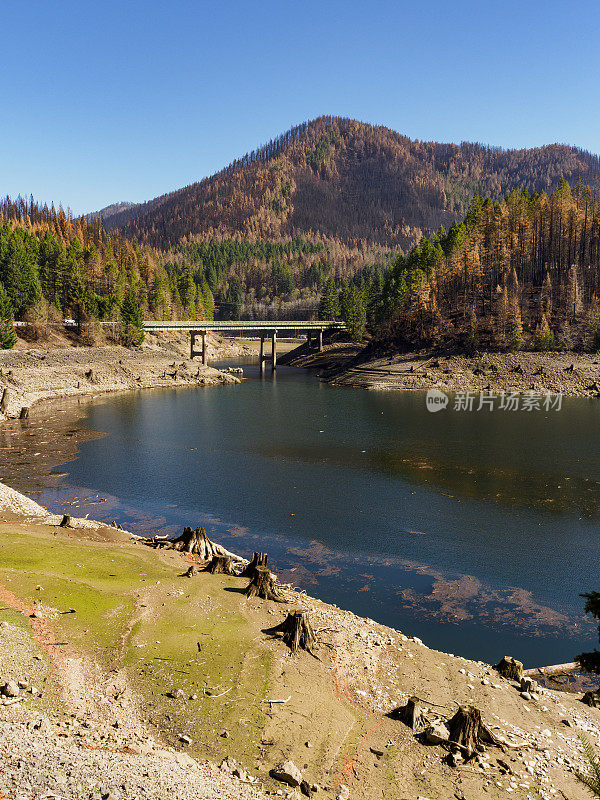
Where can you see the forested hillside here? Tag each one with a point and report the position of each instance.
(53, 266)
(348, 181)
(523, 272)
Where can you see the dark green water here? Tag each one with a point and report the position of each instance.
(474, 531)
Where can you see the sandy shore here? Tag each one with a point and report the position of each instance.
(572, 374)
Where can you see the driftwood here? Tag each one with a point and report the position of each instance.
(510, 668)
(263, 585)
(296, 631)
(412, 715)
(258, 560)
(221, 565)
(196, 542)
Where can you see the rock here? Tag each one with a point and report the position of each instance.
(437, 733)
(175, 693)
(10, 689)
(185, 739)
(526, 696)
(287, 772)
(343, 793)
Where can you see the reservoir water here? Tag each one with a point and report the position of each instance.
(475, 531)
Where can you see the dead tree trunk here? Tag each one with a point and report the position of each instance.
(221, 565)
(296, 631)
(263, 585)
(258, 560)
(510, 668)
(196, 542)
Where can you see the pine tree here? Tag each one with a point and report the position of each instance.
(133, 321)
(590, 662)
(544, 337)
(8, 337)
(352, 310)
(329, 307)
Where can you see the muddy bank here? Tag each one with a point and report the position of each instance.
(30, 376)
(573, 374)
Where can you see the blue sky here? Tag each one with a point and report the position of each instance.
(107, 101)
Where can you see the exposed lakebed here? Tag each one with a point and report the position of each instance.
(474, 530)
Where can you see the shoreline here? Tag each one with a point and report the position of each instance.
(351, 365)
(28, 377)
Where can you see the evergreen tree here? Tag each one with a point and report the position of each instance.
(544, 337)
(131, 314)
(352, 310)
(329, 307)
(8, 337)
(590, 662)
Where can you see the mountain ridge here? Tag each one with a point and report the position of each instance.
(350, 180)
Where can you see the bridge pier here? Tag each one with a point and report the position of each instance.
(203, 352)
(274, 350)
(320, 340)
(261, 357)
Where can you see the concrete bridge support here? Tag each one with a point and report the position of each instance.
(274, 350)
(204, 351)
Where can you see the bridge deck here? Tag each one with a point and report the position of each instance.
(244, 325)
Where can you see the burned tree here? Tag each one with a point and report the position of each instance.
(296, 631)
(258, 560)
(263, 585)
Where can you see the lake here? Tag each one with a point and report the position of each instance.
(475, 531)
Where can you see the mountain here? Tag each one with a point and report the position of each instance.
(351, 181)
(109, 211)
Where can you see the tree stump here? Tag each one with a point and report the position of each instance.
(193, 570)
(258, 560)
(296, 631)
(468, 733)
(465, 729)
(65, 521)
(196, 542)
(4, 401)
(24, 413)
(412, 715)
(220, 565)
(591, 699)
(263, 585)
(510, 668)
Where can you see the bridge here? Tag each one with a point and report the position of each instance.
(263, 328)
